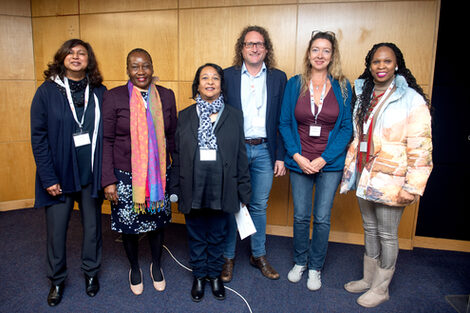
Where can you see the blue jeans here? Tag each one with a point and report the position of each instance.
(261, 175)
(306, 252)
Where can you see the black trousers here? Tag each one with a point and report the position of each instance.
(57, 220)
(206, 235)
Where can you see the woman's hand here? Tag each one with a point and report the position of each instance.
(304, 164)
(318, 164)
(279, 168)
(54, 190)
(406, 197)
(110, 193)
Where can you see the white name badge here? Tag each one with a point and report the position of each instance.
(258, 121)
(81, 139)
(208, 154)
(363, 146)
(314, 131)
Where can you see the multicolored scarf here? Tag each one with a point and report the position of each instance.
(148, 150)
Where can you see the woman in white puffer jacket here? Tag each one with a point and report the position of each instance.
(388, 162)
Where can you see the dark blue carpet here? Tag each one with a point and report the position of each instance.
(422, 280)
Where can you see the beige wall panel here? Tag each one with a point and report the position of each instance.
(17, 7)
(279, 211)
(18, 171)
(184, 95)
(16, 48)
(360, 25)
(345, 214)
(209, 35)
(54, 7)
(93, 6)
(49, 33)
(14, 115)
(224, 3)
(112, 36)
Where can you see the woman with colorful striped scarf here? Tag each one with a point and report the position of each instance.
(139, 122)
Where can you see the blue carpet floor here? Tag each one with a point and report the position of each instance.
(422, 280)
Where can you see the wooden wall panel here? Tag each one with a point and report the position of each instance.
(226, 3)
(49, 33)
(16, 90)
(214, 41)
(359, 26)
(14, 115)
(113, 35)
(17, 7)
(16, 48)
(17, 170)
(93, 6)
(54, 7)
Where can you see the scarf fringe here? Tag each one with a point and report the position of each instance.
(149, 207)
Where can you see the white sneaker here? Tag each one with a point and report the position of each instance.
(295, 274)
(314, 280)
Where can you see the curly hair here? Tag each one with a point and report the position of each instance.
(363, 102)
(269, 60)
(57, 68)
(334, 67)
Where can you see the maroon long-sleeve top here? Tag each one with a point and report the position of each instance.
(116, 130)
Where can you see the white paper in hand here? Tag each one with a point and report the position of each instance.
(244, 222)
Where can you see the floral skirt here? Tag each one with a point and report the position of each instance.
(123, 217)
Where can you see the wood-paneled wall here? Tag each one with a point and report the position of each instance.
(183, 34)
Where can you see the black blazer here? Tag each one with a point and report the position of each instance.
(275, 84)
(230, 141)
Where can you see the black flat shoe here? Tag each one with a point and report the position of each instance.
(92, 285)
(218, 289)
(197, 291)
(55, 294)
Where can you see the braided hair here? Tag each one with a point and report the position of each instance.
(363, 102)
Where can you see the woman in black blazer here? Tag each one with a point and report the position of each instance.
(209, 176)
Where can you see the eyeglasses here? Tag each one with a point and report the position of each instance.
(251, 45)
(316, 32)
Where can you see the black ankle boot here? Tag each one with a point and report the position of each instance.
(218, 289)
(197, 292)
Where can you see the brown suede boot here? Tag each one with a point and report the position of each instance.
(378, 292)
(356, 286)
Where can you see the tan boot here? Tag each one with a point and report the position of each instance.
(356, 286)
(378, 292)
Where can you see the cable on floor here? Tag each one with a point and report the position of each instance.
(187, 268)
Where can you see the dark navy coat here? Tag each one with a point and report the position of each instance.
(52, 127)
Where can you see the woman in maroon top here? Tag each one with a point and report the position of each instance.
(137, 188)
(316, 127)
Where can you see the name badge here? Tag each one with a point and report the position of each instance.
(208, 154)
(314, 131)
(258, 121)
(363, 146)
(81, 139)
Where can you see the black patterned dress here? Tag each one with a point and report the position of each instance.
(123, 217)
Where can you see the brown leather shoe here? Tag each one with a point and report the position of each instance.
(265, 268)
(227, 270)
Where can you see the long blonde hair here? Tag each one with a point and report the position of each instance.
(334, 68)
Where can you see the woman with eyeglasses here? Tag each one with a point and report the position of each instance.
(388, 162)
(316, 127)
(66, 139)
(139, 129)
(209, 176)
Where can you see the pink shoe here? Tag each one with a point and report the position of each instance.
(158, 285)
(139, 288)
